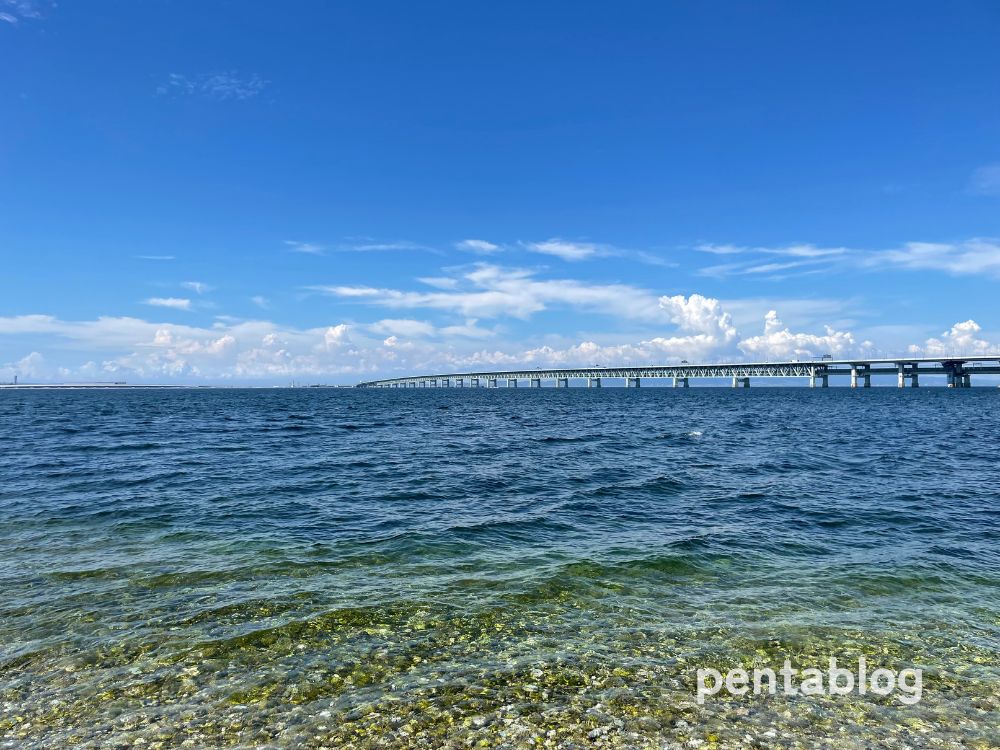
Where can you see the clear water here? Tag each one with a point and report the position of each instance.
(351, 568)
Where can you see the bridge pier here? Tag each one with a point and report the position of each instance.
(680, 382)
(512, 382)
(535, 383)
(562, 382)
(862, 371)
(593, 382)
(959, 379)
(629, 381)
(903, 372)
(491, 383)
(740, 381)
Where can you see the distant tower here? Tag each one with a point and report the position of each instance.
(15, 378)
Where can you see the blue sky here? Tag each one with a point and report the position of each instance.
(323, 192)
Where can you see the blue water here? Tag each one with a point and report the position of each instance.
(473, 568)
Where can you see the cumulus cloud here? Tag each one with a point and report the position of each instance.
(29, 366)
(700, 315)
(262, 351)
(960, 339)
(589, 353)
(230, 350)
(176, 303)
(778, 342)
(261, 301)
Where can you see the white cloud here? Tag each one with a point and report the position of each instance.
(701, 315)
(156, 257)
(367, 245)
(262, 351)
(986, 180)
(407, 328)
(176, 303)
(778, 342)
(261, 301)
(197, 287)
(570, 251)
(469, 330)
(794, 250)
(477, 246)
(439, 282)
(490, 291)
(30, 366)
(589, 353)
(336, 335)
(403, 327)
(309, 248)
(222, 86)
(807, 256)
(351, 291)
(960, 339)
(974, 256)
(14, 11)
(721, 249)
(978, 255)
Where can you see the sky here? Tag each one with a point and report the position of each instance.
(221, 191)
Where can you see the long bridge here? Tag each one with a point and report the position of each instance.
(958, 371)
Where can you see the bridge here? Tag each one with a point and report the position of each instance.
(957, 370)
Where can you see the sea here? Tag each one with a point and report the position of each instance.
(509, 568)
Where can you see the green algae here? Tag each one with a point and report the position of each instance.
(417, 676)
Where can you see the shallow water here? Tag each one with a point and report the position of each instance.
(359, 568)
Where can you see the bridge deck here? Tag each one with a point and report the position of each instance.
(958, 369)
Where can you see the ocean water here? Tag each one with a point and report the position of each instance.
(513, 569)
